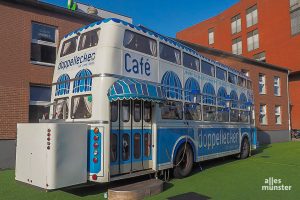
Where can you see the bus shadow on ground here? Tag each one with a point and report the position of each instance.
(189, 196)
(100, 188)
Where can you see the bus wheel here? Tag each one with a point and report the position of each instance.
(183, 162)
(245, 149)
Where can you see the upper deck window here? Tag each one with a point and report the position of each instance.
(221, 74)
(207, 68)
(89, 39)
(43, 43)
(69, 46)
(242, 82)
(140, 43)
(169, 53)
(191, 62)
(232, 78)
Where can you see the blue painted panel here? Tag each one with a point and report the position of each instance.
(254, 137)
(217, 140)
(166, 141)
(94, 167)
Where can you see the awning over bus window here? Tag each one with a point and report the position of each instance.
(129, 88)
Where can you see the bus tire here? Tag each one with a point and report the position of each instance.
(183, 161)
(245, 148)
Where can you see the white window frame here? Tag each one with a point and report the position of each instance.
(263, 114)
(277, 90)
(211, 36)
(262, 82)
(236, 24)
(295, 21)
(253, 40)
(237, 46)
(252, 16)
(46, 43)
(278, 118)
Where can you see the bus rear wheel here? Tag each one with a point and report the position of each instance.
(183, 162)
(245, 148)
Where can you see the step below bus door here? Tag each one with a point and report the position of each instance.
(125, 137)
(147, 135)
(137, 134)
(115, 138)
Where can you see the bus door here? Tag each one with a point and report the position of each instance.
(125, 136)
(137, 135)
(147, 135)
(115, 138)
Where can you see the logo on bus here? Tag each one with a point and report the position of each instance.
(137, 65)
(82, 61)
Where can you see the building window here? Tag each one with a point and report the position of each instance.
(253, 40)
(260, 57)
(278, 114)
(236, 24)
(40, 96)
(276, 86)
(295, 21)
(262, 84)
(211, 36)
(237, 46)
(294, 4)
(43, 44)
(251, 16)
(245, 72)
(263, 114)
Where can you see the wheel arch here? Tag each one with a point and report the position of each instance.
(181, 141)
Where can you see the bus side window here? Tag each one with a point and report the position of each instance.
(172, 110)
(147, 111)
(209, 113)
(125, 111)
(114, 111)
(192, 111)
(137, 110)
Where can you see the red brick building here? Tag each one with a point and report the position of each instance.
(268, 31)
(30, 33)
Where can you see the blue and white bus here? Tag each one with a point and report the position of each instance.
(149, 102)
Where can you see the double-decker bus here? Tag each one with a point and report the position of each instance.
(147, 104)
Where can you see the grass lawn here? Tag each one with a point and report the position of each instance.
(221, 179)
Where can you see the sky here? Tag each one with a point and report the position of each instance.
(166, 17)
